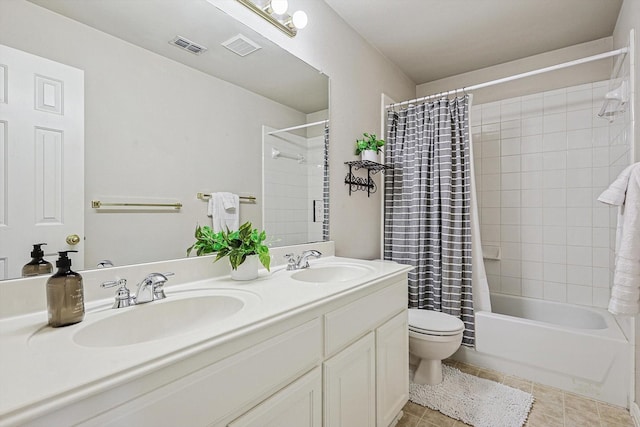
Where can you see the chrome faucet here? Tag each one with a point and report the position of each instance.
(301, 261)
(151, 288)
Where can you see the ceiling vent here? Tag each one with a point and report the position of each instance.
(188, 45)
(241, 45)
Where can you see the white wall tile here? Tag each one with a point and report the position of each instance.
(532, 126)
(554, 254)
(510, 199)
(580, 217)
(554, 122)
(579, 119)
(491, 112)
(510, 181)
(554, 235)
(532, 270)
(531, 252)
(510, 146)
(510, 164)
(532, 180)
(554, 217)
(580, 275)
(579, 255)
(579, 158)
(531, 216)
(531, 162)
(532, 288)
(579, 295)
(555, 291)
(531, 144)
(543, 165)
(579, 138)
(491, 199)
(531, 234)
(531, 106)
(578, 178)
(554, 197)
(578, 236)
(556, 141)
(554, 272)
(511, 285)
(554, 160)
(554, 179)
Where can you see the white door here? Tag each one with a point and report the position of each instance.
(41, 159)
(349, 386)
(392, 368)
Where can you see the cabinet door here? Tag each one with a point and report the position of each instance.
(298, 404)
(349, 386)
(392, 368)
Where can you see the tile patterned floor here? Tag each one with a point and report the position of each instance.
(552, 407)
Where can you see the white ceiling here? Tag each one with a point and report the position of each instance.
(152, 24)
(433, 39)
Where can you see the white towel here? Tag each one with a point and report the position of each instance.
(624, 192)
(224, 210)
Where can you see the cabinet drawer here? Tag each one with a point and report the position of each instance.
(351, 321)
(213, 394)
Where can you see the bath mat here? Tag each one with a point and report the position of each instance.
(472, 400)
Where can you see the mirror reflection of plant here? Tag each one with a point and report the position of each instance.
(369, 142)
(237, 245)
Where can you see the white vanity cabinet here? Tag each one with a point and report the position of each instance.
(299, 405)
(367, 382)
(338, 361)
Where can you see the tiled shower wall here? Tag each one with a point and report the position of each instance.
(541, 161)
(290, 188)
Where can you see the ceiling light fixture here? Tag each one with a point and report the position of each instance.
(275, 12)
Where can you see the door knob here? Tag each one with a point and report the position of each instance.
(73, 239)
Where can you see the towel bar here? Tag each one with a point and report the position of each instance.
(243, 199)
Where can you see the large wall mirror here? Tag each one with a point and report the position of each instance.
(161, 124)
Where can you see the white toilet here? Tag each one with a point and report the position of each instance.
(433, 336)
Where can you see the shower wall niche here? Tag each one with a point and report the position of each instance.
(541, 161)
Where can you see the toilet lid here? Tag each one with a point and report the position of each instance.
(434, 322)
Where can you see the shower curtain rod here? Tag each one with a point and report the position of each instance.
(321, 122)
(604, 55)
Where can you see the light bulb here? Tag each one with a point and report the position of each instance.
(299, 19)
(279, 6)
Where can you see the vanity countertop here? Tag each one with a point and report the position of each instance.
(43, 368)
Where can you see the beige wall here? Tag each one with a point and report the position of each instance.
(358, 75)
(572, 76)
(629, 18)
(154, 129)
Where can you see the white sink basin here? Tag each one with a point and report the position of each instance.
(331, 273)
(175, 315)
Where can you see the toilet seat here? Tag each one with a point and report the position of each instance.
(429, 322)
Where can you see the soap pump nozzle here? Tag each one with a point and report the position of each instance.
(63, 259)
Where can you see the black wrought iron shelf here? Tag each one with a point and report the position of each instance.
(367, 184)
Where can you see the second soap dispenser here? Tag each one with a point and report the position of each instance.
(65, 294)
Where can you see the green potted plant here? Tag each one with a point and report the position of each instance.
(245, 248)
(369, 147)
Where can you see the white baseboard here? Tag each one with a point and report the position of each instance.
(635, 413)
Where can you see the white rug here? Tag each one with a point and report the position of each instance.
(475, 401)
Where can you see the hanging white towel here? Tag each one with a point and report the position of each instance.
(224, 210)
(624, 192)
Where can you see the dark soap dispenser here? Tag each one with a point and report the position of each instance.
(65, 294)
(37, 265)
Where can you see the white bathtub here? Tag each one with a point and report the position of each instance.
(578, 349)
